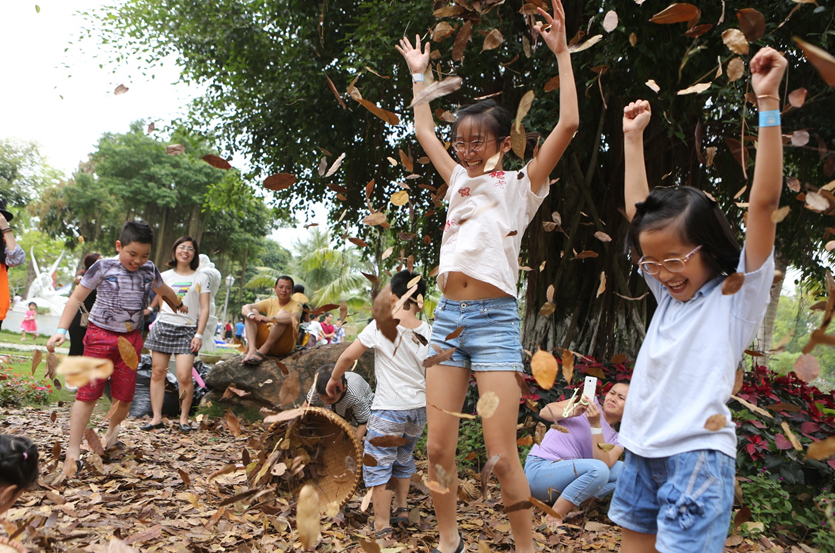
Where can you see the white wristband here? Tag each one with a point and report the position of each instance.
(198, 335)
(597, 431)
(417, 77)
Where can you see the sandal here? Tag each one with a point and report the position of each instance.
(459, 549)
(185, 427)
(396, 519)
(255, 360)
(379, 534)
(148, 427)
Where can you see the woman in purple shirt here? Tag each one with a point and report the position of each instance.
(570, 467)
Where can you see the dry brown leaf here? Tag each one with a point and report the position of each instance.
(382, 313)
(455, 333)
(399, 198)
(545, 508)
(552, 84)
(575, 48)
(735, 70)
(800, 138)
(79, 371)
(735, 41)
(524, 107)
(633, 39)
(698, 30)
(493, 40)
(487, 471)
(280, 181)
(492, 162)
(544, 369)
(602, 287)
(308, 517)
(752, 24)
(93, 441)
(567, 365)
(605, 447)
(790, 435)
(610, 21)
(290, 389)
(753, 408)
(335, 165)
(453, 413)
(287, 415)
(676, 13)
(121, 89)
(820, 58)
(548, 309)
(436, 90)
(807, 367)
(175, 149)
(695, 89)
(487, 404)
(374, 219)
(335, 92)
(780, 214)
(518, 141)
(816, 202)
(461, 40)
(442, 30)
(233, 423)
(733, 283)
(824, 449)
(602, 236)
(388, 441)
(37, 356)
(716, 422)
(797, 97)
(217, 162)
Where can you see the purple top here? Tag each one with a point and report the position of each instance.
(122, 295)
(577, 443)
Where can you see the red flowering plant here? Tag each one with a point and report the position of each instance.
(17, 389)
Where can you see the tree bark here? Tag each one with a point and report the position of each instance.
(765, 336)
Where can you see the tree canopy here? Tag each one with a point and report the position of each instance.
(284, 80)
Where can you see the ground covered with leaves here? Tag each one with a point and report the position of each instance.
(165, 491)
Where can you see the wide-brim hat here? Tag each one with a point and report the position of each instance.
(7, 214)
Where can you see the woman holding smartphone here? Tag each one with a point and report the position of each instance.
(569, 467)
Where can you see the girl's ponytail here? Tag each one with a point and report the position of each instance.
(18, 461)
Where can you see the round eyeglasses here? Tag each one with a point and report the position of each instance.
(473, 146)
(674, 265)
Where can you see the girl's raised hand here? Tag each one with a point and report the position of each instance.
(636, 116)
(593, 414)
(767, 69)
(417, 60)
(553, 33)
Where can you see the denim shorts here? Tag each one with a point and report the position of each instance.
(398, 461)
(685, 499)
(491, 339)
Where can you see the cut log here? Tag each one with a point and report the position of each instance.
(263, 382)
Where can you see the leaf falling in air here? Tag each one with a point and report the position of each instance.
(567, 365)
(548, 309)
(175, 149)
(780, 214)
(151, 128)
(544, 507)
(290, 389)
(37, 356)
(492, 162)
(733, 283)
(374, 219)
(820, 58)
(233, 423)
(816, 202)
(388, 440)
(807, 367)
(487, 471)
(797, 97)
(675, 13)
(800, 138)
(820, 450)
(736, 68)
(790, 435)
(633, 39)
(279, 181)
(381, 311)
(602, 287)
(549, 293)
(93, 441)
(606, 447)
(716, 422)
(752, 24)
(698, 30)
(575, 48)
(453, 413)
(461, 40)
(439, 358)
(386, 255)
(518, 140)
(695, 89)
(308, 517)
(217, 162)
(121, 89)
(442, 30)
(454, 334)
(610, 21)
(336, 92)
(552, 84)
(735, 41)
(436, 90)
(492, 41)
(360, 243)
(544, 369)
(335, 166)
(602, 236)
(80, 370)
(524, 107)
(52, 362)
(399, 198)
(406, 161)
(653, 85)
(753, 408)
(128, 353)
(487, 404)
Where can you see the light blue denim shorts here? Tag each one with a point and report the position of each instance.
(491, 339)
(397, 462)
(685, 499)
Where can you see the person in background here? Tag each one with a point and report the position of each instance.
(314, 330)
(352, 402)
(228, 330)
(272, 325)
(328, 330)
(239, 331)
(11, 255)
(339, 333)
(28, 324)
(76, 331)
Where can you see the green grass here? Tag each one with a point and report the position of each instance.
(14, 338)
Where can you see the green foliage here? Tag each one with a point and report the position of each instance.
(20, 389)
(23, 172)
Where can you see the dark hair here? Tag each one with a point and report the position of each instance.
(297, 288)
(400, 282)
(90, 259)
(32, 303)
(195, 261)
(493, 119)
(285, 277)
(323, 374)
(18, 461)
(697, 218)
(136, 231)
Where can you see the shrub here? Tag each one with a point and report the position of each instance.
(17, 390)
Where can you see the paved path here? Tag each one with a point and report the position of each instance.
(23, 346)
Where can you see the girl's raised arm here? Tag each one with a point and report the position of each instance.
(767, 69)
(636, 117)
(418, 61)
(552, 150)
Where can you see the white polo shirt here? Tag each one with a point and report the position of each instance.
(686, 367)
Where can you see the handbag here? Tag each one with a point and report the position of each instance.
(85, 316)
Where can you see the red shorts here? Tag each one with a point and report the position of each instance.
(102, 344)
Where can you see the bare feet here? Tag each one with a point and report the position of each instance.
(553, 523)
(110, 440)
(70, 466)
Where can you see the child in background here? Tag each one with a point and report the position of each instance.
(399, 407)
(123, 284)
(18, 468)
(28, 324)
(489, 210)
(676, 490)
(352, 404)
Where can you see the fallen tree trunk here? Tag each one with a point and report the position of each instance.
(263, 382)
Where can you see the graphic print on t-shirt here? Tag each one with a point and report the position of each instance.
(181, 288)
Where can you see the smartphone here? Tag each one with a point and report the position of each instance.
(590, 387)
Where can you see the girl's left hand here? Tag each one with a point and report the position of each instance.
(554, 36)
(196, 344)
(593, 414)
(767, 70)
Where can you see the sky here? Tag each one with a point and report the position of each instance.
(67, 109)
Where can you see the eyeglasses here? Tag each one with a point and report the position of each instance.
(473, 146)
(185, 249)
(675, 265)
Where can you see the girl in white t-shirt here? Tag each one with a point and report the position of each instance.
(488, 212)
(676, 490)
(179, 334)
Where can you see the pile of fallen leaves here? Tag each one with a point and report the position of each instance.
(167, 491)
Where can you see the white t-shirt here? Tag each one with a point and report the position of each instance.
(398, 366)
(189, 288)
(686, 367)
(314, 328)
(482, 212)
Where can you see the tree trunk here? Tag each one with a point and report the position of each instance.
(196, 223)
(765, 336)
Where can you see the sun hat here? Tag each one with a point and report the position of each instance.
(7, 214)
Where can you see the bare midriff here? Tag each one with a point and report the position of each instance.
(462, 287)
